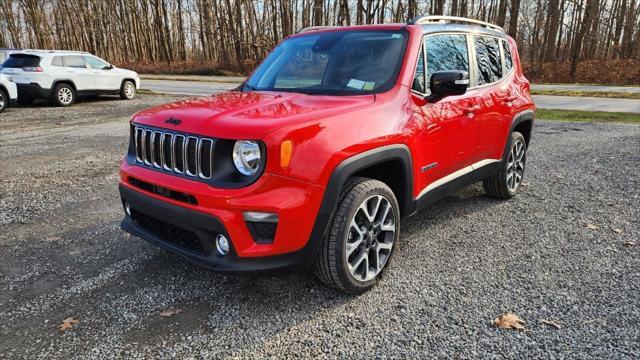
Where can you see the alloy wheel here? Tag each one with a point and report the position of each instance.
(370, 239)
(2, 100)
(129, 90)
(515, 165)
(65, 95)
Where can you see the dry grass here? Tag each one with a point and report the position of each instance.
(580, 93)
(588, 116)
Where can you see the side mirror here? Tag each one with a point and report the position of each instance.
(108, 67)
(448, 83)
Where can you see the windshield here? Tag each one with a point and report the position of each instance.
(333, 63)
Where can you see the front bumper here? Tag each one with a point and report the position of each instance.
(189, 229)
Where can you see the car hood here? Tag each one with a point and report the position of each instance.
(246, 115)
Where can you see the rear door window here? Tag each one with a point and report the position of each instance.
(446, 52)
(74, 61)
(21, 60)
(488, 60)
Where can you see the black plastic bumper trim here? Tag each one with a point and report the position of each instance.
(207, 227)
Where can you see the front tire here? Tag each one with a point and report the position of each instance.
(128, 90)
(362, 237)
(4, 101)
(505, 182)
(63, 95)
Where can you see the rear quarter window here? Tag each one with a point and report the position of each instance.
(21, 60)
(488, 60)
(57, 61)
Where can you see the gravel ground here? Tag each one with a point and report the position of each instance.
(460, 264)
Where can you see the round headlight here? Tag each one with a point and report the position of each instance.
(246, 156)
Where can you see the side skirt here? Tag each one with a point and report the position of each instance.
(456, 182)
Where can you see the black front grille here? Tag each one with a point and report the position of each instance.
(162, 191)
(182, 154)
(169, 233)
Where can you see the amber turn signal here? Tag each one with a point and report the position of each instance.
(286, 148)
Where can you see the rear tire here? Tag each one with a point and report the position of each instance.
(63, 95)
(128, 90)
(505, 182)
(362, 237)
(4, 101)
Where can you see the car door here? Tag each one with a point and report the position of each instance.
(104, 76)
(490, 87)
(77, 71)
(448, 133)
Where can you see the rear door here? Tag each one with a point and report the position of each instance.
(77, 71)
(492, 89)
(449, 132)
(105, 77)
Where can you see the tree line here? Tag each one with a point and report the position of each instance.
(235, 34)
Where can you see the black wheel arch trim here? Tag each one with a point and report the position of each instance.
(58, 81)
(525, 115)
(128, 79)
(342, 173)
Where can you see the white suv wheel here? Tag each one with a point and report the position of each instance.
(65, 95)
(128, 91)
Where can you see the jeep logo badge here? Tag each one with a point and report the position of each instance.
(173, 121)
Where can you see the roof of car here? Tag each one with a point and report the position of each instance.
(42, 53)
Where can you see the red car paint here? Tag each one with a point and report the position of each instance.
(454, 132)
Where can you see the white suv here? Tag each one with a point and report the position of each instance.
(8, 92)
(61, 76)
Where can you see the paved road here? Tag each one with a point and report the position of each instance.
(201, 88)
(587, 103)
(197, 88)
(579, 87)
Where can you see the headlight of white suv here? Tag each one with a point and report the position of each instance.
(247, 157)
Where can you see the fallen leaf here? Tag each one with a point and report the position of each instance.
(509, 321)
(68, 323)
(592, 227)
(170, 312)
(629, 243)
(617, 231)
(550, 323)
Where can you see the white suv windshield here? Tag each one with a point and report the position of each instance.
(333, 63)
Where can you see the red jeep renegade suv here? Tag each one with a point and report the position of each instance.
(338, 135)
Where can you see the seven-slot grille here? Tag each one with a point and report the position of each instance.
(181, 154)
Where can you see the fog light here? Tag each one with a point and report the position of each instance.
(222, 245)
(127, 208)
